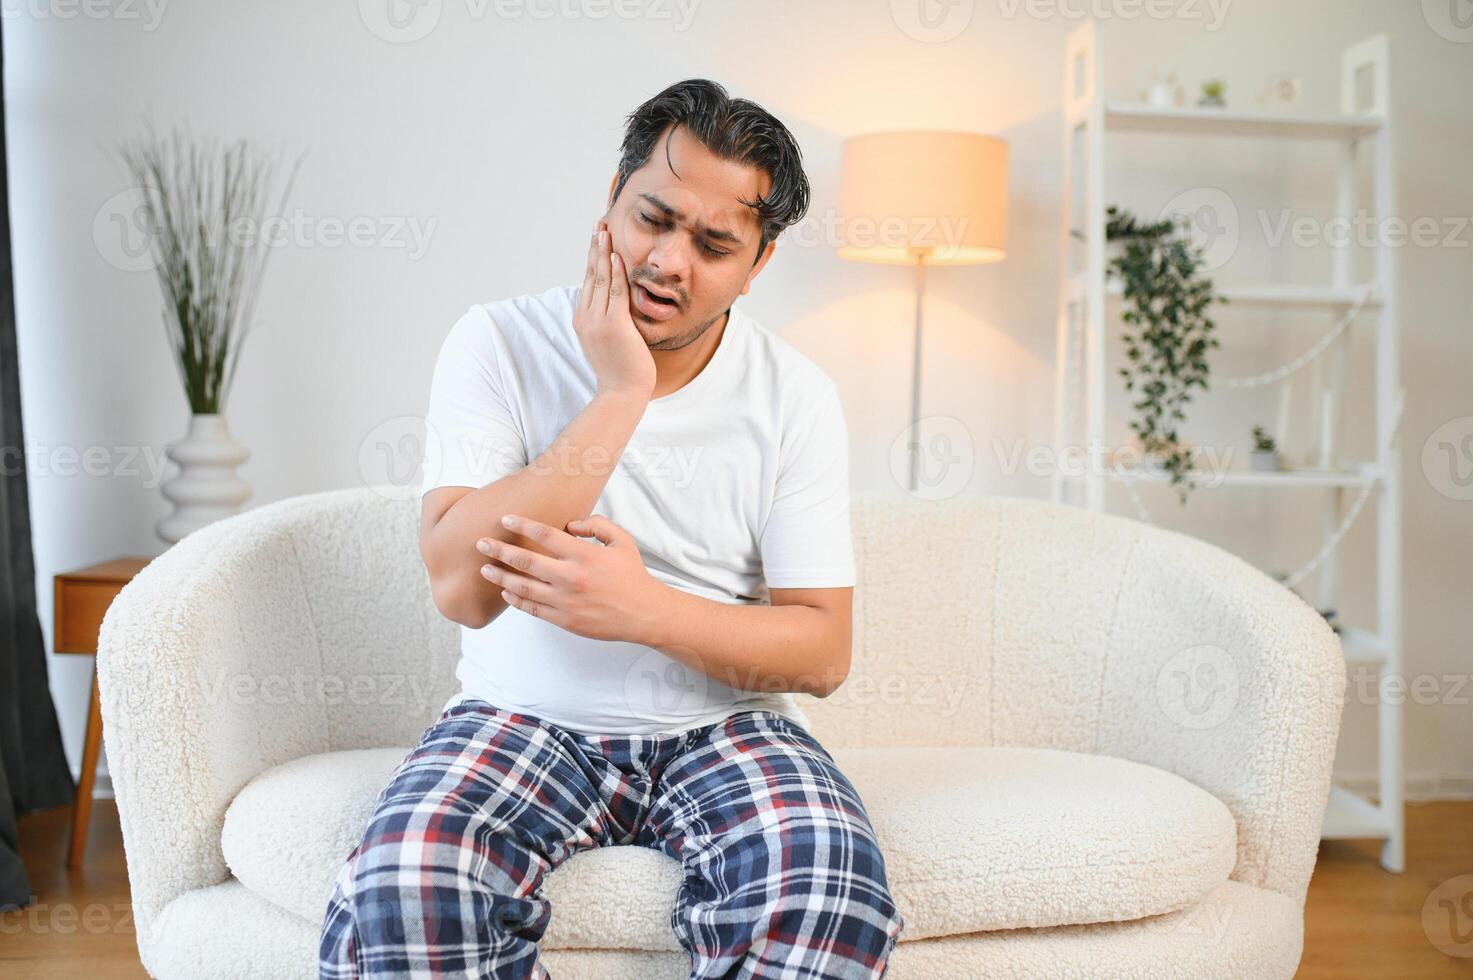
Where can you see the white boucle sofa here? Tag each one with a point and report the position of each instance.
(1089, 747)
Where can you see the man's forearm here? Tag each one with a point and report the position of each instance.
(560, 485)
(752, 647)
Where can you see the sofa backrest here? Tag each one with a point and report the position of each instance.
(384, 645)
(977, 621)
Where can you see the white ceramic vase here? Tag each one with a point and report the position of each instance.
(206, 488)
(1266, 460)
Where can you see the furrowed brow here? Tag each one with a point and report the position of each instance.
(715, 234)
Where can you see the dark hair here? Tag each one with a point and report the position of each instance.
(732, 129)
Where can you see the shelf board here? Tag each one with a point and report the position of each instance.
(1331, 297)
(1348, 815)
(1254, 478)
(1283, 296)
(1129, 117)
(1363, 646)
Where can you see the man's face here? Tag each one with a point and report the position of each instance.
(681, 229)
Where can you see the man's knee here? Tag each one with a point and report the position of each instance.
(809, 896)
(840, 857)
(832, 863)
(836, 866)
(408, 888)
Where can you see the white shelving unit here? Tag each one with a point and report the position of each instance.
(1363, 127)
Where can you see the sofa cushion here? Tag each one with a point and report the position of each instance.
(228, 932)
(974, 840)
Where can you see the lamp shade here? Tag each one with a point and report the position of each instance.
(938, 195)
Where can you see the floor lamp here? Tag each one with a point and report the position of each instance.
(923, 199)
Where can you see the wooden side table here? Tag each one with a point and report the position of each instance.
(79, 601)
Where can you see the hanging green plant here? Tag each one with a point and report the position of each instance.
(1168, 332)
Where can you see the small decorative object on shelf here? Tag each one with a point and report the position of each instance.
(206, 211)
(1265, 451)
(1164, 92)
(1212, 90)
(1281, 91)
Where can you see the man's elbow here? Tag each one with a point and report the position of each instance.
(460, 605)
(832, 677)
(823, 690)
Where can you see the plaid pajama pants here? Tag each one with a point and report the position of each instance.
(783, 877)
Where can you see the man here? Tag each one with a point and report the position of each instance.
(636, 505)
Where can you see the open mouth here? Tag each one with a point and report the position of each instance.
(651, 305)
(659, 298)
(656, 298)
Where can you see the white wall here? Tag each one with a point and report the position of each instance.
(496, 133)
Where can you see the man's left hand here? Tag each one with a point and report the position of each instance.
(601, 591)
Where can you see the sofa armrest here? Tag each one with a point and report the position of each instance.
(1221, 675)
(201, 661)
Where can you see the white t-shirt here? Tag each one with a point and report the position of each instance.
(736, 483)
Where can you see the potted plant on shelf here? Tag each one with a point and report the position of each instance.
(205, 209)
(1168, 331)
(1265, 454)
(1212, 94)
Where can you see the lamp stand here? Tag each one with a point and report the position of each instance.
(915, 377)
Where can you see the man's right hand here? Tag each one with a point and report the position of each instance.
(613, 345)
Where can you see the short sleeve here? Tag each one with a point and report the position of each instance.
(472, 437)
(807, 542)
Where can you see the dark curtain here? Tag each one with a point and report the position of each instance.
(33, 769)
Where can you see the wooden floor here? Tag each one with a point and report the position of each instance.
(81, 923)
(1360, 921)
